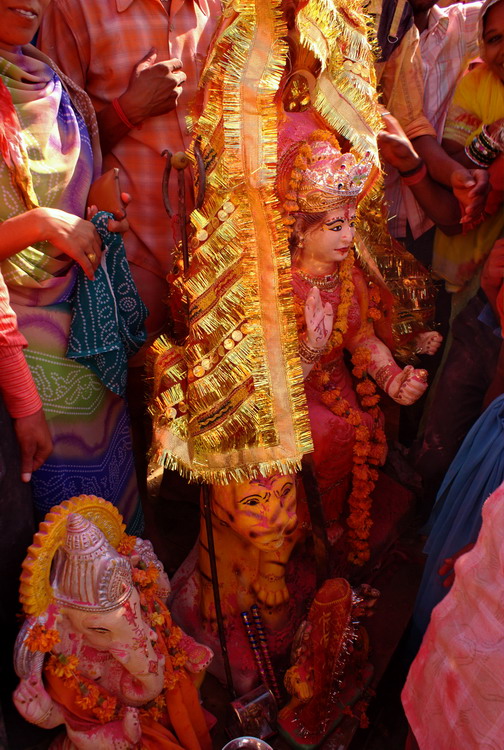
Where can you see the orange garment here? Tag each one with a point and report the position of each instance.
(97, 44)
(188, 728)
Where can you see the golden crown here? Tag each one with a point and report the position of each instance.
(321, 177)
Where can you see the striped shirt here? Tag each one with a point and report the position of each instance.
(97, 44)
(448, 43)
(16, 383)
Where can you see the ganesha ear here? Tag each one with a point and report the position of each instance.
(28, 660)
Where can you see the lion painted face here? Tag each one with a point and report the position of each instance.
(262, 510)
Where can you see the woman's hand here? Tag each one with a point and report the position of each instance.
(74, 237)
(407, 386)
(319, 319)
(471, 188)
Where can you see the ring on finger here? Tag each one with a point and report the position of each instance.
(91, 256)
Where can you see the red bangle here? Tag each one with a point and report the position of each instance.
(414, 179)
(120, 113)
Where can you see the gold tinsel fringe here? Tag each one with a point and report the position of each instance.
(240, 473)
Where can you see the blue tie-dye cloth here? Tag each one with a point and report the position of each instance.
(108, 314)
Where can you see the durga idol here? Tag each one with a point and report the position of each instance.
(338, 304)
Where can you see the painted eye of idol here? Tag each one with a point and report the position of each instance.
(288, 486)
(101, 631)
(336, 224)
(252, 500)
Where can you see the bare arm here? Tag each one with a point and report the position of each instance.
(469, 187)
(439, 204)
(457, 152)
(439, 163)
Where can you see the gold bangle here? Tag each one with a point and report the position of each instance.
(308, 354)
(44, 718)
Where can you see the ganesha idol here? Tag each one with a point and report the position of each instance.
(98, 653)
(343, 313)
(255, 528)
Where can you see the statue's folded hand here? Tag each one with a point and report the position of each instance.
(407, 386)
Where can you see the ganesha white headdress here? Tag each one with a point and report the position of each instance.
(315, 176)
(74, 559)
(89, 574)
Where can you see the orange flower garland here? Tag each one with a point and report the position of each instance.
(41, 639)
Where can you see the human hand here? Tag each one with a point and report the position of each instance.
(407, 386)
(74, 237)
(32, 701)
(471, 188)
(35, 442)
(153, 89)
(319, 319)
(118, 224)
(395, 147)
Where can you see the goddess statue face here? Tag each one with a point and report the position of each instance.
(329, 241)
(262, 510)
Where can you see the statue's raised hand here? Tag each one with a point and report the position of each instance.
(319, 319)
(427, 342)
(33, 702)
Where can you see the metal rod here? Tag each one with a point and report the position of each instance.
(207, 510)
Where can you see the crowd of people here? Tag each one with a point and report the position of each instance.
(89, 87)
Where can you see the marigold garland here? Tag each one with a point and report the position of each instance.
(41, 639)
(126, 545)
